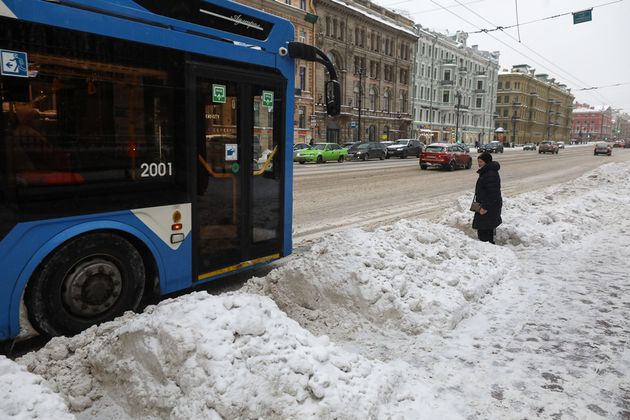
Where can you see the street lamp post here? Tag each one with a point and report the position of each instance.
(361, 73)
(514, 117)
(458, 95)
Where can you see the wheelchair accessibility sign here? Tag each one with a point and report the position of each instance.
(13, 63)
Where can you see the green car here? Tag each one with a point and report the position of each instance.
(322, 152)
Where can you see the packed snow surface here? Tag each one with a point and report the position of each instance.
(413, 320)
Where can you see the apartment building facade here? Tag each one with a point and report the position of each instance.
(592, 124)
(372, 49)
(533, 107)
(454, 89)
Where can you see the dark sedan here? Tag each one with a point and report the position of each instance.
(404, 147)
(492, 147)
(370, 150)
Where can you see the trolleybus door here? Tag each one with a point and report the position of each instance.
(239, 185)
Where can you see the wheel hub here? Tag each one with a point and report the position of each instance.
(92, 287)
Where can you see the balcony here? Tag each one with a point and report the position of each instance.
(463, 70)
(479, 91)
(481, 73)
(447, 82)
(448, 62)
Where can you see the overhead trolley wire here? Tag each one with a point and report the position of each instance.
(501, 28)
(580, 82)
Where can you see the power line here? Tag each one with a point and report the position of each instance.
(602, 87)
(580, 82)
(500, 28)
(430, 10)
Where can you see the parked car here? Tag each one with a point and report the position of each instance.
(618, 143)
(370, 150)
(322, 152)
(560, 144)
(529, 146)
(297, 147)
(548, 146)
(492, 147)
(445, 155)
(602, 148)
(349, 144)
(404, 147)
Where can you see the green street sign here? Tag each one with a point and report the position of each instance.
(267, 98)
(218, 94)
(582, 16)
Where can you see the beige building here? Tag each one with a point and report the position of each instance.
(302, 15)
(532, 107)
(372, 49)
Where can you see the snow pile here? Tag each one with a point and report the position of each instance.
(27, 396)
(556, 215)
(233, 356)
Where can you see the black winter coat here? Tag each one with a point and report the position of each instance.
(488, 193)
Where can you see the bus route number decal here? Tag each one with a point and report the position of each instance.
(156, 169)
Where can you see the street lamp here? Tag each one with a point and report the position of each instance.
(361, 73)
(514, 117)
(458, 95)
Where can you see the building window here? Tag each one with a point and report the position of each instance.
(479, 102)
(447, 75)
(302, 117)
(302, 78)
(498, 99)
(479, 84)
(507, 84)
(373, 97)
(342, 29)
(303, 4)
(386, 101)
(302, 35)
(446, 96)
(287, 2)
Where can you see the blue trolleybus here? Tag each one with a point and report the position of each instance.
(145, 147)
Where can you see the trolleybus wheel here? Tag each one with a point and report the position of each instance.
(88, 280)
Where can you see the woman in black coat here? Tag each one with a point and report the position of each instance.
(488, 195)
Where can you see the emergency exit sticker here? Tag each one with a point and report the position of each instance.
(267, 98)
(13, 63)
(231, 152)
(218, 94)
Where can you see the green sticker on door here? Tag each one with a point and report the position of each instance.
(267, 98)
(218, 94)
(235, 167)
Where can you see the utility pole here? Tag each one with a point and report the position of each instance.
(458, 95)
(361, 73)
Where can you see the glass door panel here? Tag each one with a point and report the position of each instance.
(220, 177)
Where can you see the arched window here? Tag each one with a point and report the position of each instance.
(357, 93)
(386, 102)
(327, 25)
(373, 99)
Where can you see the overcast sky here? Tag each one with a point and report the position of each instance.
(585, 55)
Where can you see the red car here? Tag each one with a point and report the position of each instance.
(445, 155)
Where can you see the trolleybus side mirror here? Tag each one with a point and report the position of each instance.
(333, 94)
(332, 89)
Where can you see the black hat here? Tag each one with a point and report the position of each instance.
(486, 157)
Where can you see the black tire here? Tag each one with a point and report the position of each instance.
(88, 280)
(382, 157)
(404, 155)
(469, 164)
(341, 159)
(387, 156)
(451, 166)
(320, 159)
(366, 157)
(423, 167)
(301, 162)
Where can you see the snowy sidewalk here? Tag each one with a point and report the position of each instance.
(414, 320)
